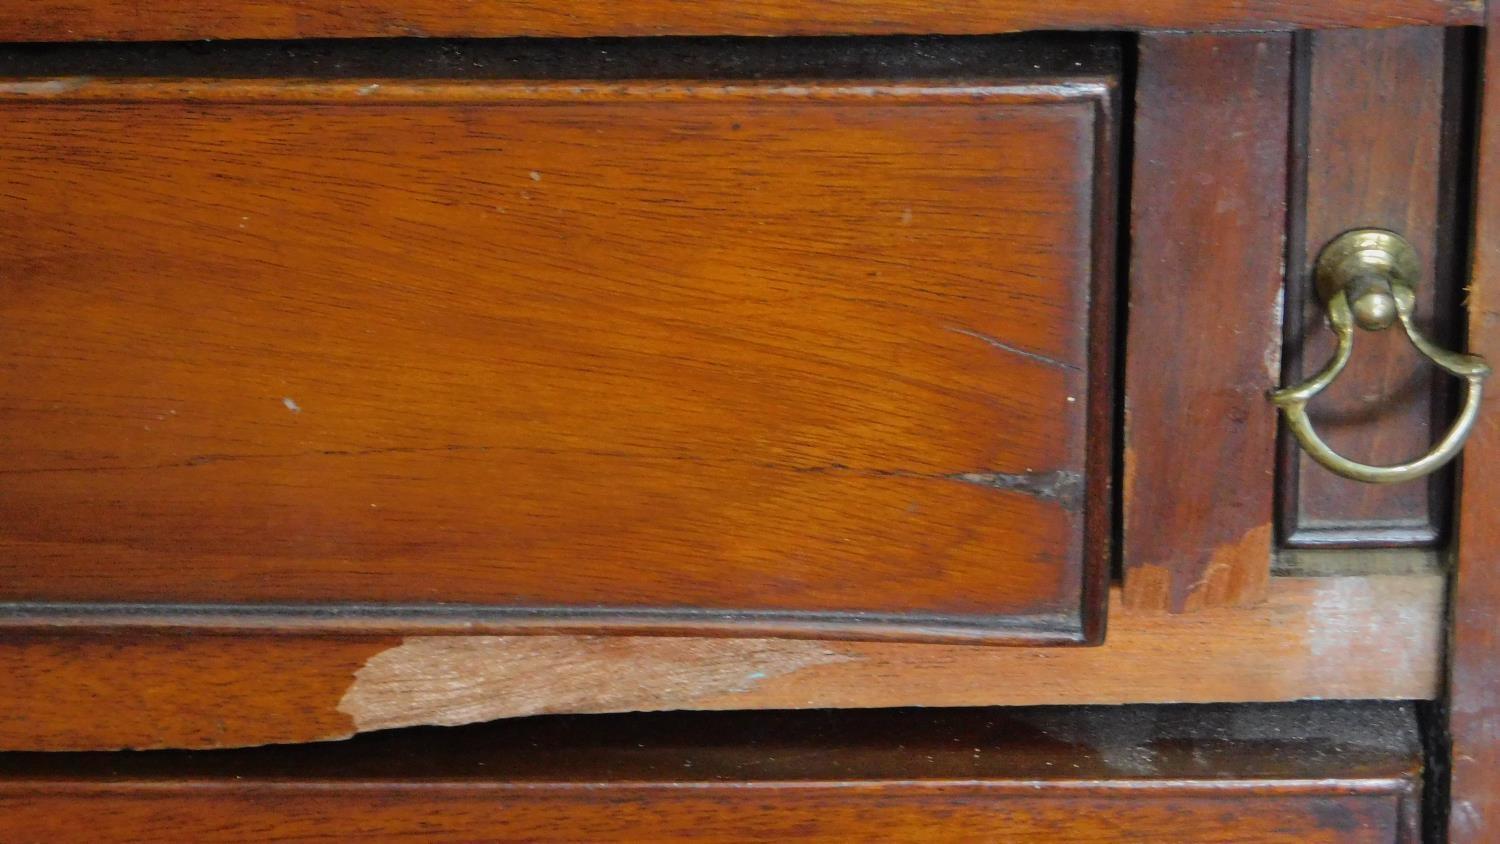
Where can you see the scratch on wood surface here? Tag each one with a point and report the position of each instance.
(1015, 350)
(1234, 574)
(44, 87)
(1272, 355)
(451, 680)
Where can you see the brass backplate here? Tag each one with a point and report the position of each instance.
(1363, 253)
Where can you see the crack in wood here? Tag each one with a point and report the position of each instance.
(1059, 487)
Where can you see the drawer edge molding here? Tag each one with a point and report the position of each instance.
(439, 619)
(379, 91)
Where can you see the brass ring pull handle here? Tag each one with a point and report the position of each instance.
(1365, 277)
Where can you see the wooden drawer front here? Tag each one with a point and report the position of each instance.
(1295, 774)
(227, 811)
(767, 357)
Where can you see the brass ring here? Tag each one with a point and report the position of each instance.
(1293, 400)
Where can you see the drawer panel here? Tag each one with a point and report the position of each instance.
(1294, 773)
(822, 358)
(1389, 405)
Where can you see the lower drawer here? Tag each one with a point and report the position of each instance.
(1295, 772)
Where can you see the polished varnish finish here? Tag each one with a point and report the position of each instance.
(1353, 171)
(731, 350)
(739, 357)
(75, 20)
(1300, 773)
(1207, 227)
(1329, 638)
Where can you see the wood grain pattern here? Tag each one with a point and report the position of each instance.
(1357, 172)
(168, 20)
(756, 357)
(178, 691)
(1327, 638)
(714, 812)
(1474, 649)
(1332, 773)
(1208, 213)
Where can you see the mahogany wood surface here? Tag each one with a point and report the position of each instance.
(715, 812)
(1083, 775)
(1356, 172)
(1334, 773)
(1474, 649)
(1208, 216)
(1328, 638)
(165, 20)
(823, 359)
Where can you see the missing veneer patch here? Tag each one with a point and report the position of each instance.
(451, 680)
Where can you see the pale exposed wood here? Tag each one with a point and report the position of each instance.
(1365, 637)
(460, 680)
(66, 20)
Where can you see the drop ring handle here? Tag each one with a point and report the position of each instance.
(1366, 278)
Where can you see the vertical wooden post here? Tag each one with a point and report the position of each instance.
(1474, 657)
(1208, 223)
